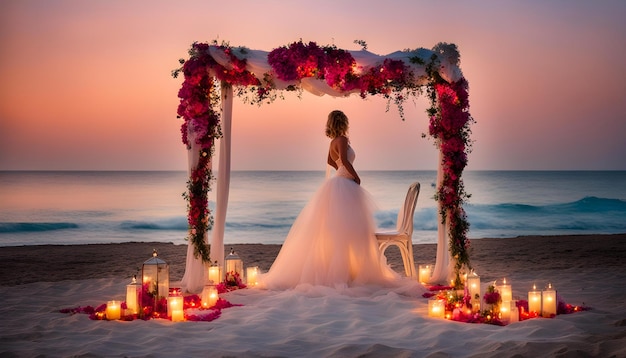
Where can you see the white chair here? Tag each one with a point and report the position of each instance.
(402, 236)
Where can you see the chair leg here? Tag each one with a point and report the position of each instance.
(406, 260)
(406, 251)
(411, 261)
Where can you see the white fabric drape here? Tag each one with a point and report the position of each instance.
(223, 177)
(195, 270)
(194, 277)
(442, 273)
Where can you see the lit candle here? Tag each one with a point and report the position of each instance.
(251, 275)
(113, 310)
(548, 296)
(534, 301)
(178, 316)
(209, 296)
(132, 292)
(424, 273)
(175, 308)
(436, 308)
(215, 275)
(505, 291)
(505, 311)
(473, 289)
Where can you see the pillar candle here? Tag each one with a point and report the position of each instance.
(178, 315)
(473, 289)
(534, 301)
(436, 308)
(251, 275)
(505, 311)
(425, 272)
(506, 293)
(113, 310)
(209, 296)
(548, 296)
(215, 275)
(132, 293)
(175, 308)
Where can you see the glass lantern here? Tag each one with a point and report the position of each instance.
(156, 278)
(233, 265)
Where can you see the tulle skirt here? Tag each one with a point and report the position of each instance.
(332, 242)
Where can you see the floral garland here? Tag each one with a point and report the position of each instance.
(393, 79)
(337, 67)
(449, 125)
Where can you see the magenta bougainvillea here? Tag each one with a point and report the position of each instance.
(450, 126)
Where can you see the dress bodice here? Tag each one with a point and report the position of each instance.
(341, 169)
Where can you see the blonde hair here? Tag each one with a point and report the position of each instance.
(337, 124)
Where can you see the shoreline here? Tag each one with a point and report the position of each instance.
(491, 257)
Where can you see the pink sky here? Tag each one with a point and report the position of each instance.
(86, 85)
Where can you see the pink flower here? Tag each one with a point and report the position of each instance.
(492, 298)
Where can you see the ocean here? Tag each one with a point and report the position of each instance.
(71, 207)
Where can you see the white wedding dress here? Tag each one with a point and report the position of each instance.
(332, 241)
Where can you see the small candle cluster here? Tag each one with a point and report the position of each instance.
(153, 298)
(542, 303)
(233, 266)
(467, 305)
(496, 304)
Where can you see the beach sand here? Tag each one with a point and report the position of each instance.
(38, 281)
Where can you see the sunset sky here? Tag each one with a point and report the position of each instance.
(86, 85)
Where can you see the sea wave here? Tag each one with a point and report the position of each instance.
(586, 214)
(35, 226)
(177, 223)
(589, 214)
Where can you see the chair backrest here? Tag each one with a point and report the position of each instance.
(405, 214)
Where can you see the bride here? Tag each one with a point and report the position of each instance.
(332, 241)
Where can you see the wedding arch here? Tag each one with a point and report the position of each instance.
(214, 73)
